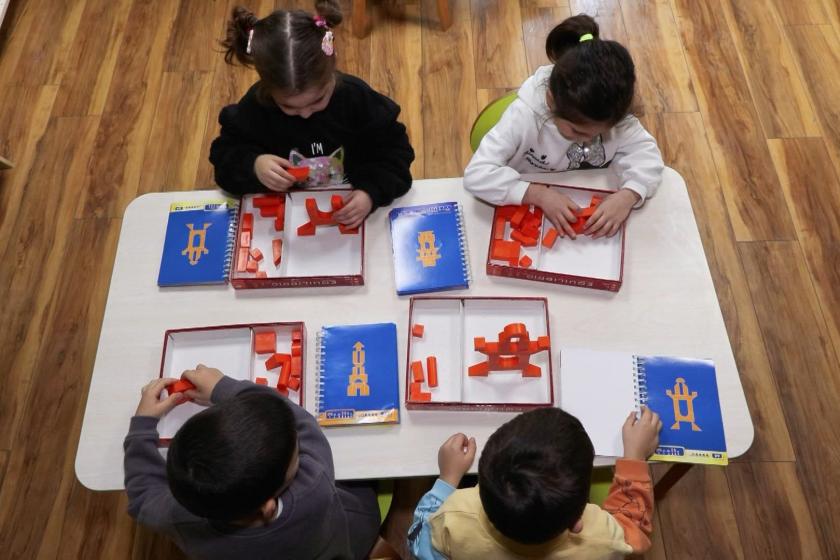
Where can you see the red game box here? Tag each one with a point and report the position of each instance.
(521, 246)
(485, 353)
(288, 240)
(239, 351)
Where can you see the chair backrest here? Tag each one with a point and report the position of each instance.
(602, 478)
(488, 118)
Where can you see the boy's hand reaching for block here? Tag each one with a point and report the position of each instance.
(455, 458)
(150, 402)
(641, 436)
(204, 378)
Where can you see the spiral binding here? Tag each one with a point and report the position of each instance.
(465, 248)
(640, 389)
(319, 373)
(233, 210)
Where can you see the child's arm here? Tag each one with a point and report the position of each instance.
(630, 500)
(637, 161)
(379, 161)
(149, 498)
(235, 151)
(455, 457)
(488, 175)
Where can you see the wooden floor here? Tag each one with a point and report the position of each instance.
(104, 100)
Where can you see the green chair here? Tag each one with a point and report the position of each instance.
(488, 118)
(601, 481)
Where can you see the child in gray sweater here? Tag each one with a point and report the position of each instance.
(250, 477)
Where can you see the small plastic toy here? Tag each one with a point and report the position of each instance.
(265, 342)
(431, 369)
(417, 330)
(512, 352)
(585, 213)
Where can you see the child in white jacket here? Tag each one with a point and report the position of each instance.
(573, 114)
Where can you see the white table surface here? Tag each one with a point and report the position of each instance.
(667, 305)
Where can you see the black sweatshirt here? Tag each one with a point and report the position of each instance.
(376, 150)
(319, 519)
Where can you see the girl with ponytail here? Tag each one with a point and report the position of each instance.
(572, 114)
(303, 111)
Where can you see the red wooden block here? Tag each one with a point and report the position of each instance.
(261, 274)
(306, 229)
(283, 391)
(247, 221)
(530, 231)
(579, 225)
(261, 381)
(506, 212)
(538, 213)
(268, 211)
(499, 228)
(256, 254)
(586, 212)
(245, 239)
(265, 342)
(266, 200)
(277, 360)
(277, 249)
(336, 202)
(525, 261)
(417, 330)
(280, 219)
(518, 216)
(285, 375)
(503, 250)
(550, 238)
(431, 368)
(242, 260)
(524, 239)
(417, 372)
(294, 383)
(297, 336)
(416, 393)
(596, 200)
(296, 349)
(252, 266)
(479, 370)
(344, 230)
(297, 366)
(299, 173)
(180, 386)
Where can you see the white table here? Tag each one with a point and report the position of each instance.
(667, 305)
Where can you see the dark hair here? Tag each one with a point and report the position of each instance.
(592, 81)
(226, 461)
(534, 475)
(285, 47)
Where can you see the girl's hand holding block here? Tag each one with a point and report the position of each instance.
(558, 208)
(271, 171)
(610, 214)
(357, 205)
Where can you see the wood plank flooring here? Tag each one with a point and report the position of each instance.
(101, 101)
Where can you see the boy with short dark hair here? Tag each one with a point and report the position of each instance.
(533, 488)
(250, 477)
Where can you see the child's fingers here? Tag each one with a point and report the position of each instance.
(171, 402)
(631, 419)
(471, 449)
(563, 226)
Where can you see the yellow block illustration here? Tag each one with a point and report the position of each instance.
(681, 393)
(427, 252)
(358, 382)
(192, 250)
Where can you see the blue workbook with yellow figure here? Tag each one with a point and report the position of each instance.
(430, 248)
(198, 245)
(357, 375)
(601, 388)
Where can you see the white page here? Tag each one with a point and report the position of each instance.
(599, 389)
(228, 350)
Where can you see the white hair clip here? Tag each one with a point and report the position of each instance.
(327, 43)
(250, 38)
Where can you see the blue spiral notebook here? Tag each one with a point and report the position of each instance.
(199, 242)
(357, 375)
(430, 248)
(601, 388)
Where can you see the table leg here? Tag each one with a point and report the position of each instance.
(443, 14)
(359, 17)
(671, 477)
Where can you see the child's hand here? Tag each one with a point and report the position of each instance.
(558, 208)
(204, 379)
(150, 403)
(611, 213)
(455, 458)
(271, 171)
(641, 436)
(357, 206)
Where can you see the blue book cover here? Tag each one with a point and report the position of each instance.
(198, 243)
(358, 375)
(685, 395)
(430, 249)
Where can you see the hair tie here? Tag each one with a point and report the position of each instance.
(327, 42)
(586, 37)
(250, 38)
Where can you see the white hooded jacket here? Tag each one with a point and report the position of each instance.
(526, 140)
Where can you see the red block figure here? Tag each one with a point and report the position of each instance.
(277, 249)
(256, 254)
(247, 222)
(417, 330)
(585, 213)
(265, 342)
(269, 200)
(415, 393)
(417, 372)
(512, 352)
(431, 369)
(318, 217)
(550, 238)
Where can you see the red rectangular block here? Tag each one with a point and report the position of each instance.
(261, 381)
(277, 249)
(252, 266)
(297, 366)
(247, 222)
(261, 274)
(550, 238)
(417, 372)
(245, 239)
(297, 336)
(417, 330)
(265, 342)
(525, 261)
(266, 200)
(296, 349)
(518, 216)
(294, 383)
(524, 239)
(256, 254)
(431, 369)
(277, 360)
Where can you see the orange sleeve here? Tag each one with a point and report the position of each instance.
(630, 502)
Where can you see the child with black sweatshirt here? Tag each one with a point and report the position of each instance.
(302, 112)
